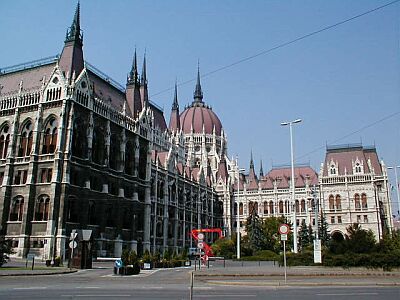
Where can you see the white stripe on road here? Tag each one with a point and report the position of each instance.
(95, 295)
(31, 288)
(225, 295)
(349, 294)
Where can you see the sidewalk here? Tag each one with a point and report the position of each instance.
(17, 267)
(269, 275)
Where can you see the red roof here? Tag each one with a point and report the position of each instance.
(283, 176)
(197, 115)
(344, 156)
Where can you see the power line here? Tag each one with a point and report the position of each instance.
(280, 46)
(351, 133)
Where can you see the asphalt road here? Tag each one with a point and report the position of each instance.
(169, 284)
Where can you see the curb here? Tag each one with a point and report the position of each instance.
(302, 275)
(302, 284)
(40, 274)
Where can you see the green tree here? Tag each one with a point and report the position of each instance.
(271, 235)
(254, 232)
(305, 235)
(323, 231)
(224, 247)
(359, 240)
(5, 251)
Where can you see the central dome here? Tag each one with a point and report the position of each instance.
(198, 115)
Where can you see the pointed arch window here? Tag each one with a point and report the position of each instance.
(265, 208)
(331, 202)
(50, 137)
(235, 209)
(281, 207)
(72, 210)
(297, 206)
(241, 209)
(42, 208)
(271, 207)
(26, 139)
(4, 141)
(338, 202)
(16, 209)
(364, 203)
(303, 206)
(357, 203)
(92, 213)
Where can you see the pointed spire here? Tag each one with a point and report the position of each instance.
(74, 33)
(261, 169)
(198, 94)
(175, 105)
(144, 76)
(251, 160)
(133, 74)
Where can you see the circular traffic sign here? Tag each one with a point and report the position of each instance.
(200, 236)
(118, 263)
(200, 245)
(283, 229)
(73, 244)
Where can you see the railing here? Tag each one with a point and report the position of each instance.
(29, 65)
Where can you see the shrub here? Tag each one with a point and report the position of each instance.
(264, 255)
(5, 251)
(305, 258)
(224, 247)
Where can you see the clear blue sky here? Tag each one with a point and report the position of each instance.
(337, 81)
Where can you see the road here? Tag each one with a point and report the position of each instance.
(170, 284)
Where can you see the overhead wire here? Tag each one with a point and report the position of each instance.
(282, 45)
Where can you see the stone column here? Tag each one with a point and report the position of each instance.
(184, 219)
(166, 218)
(147, 203)
(118, 246)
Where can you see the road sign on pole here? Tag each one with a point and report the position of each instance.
(73, 244)
(200, 245)
(284, 229)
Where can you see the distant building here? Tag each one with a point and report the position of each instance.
(354, 188)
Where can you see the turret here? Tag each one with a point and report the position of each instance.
(133, 89)
(143, 85)
(174, 120)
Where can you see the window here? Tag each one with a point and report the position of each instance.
(17, 209)
(333, 170)
(339, 219)
(4, 141)
(241, 209)
(21, 176)
(331, 202)
(50, 137)
(253, 208)
(338, 202)
(265, 208)
(72, 210)
(25, 141)
(46, 175)
(42, 208)
(303, 206)
(280, 207)
(332, 220)
(365, 219)
(92, 213)
(358, 218)
(364, 203)
(358, 168)
(297, 205)
(357, 203)
(271, 207)
(235, 209)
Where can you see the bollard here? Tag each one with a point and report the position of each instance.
(224, 262)
(33, 262)
(191, 286)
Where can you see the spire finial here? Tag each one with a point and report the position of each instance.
(261, 169)
(74, 33)
(175, 104)
(144, 76)
(133, 74)
(198, 94)
(251, 160)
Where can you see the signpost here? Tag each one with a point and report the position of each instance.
(32, 258)
(200, 245)
(72, 244)
(284, 230)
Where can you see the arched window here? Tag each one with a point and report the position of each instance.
(17, 209)
(25, 141)
(42, 208)
(253, 208)
(364, 202)
(79, 138)
(72, 210)
(115, 151)
(271, 207)
(280, 207)
(303, 206)
(129, 157)
(98, 148)
(297, 207)
(338, 202)
(92, 213)
(357, 203)
(358, 168)
(241, 209)
(331, 202)
(333, 170)
(50, 137)
(4, 141)
(265, 208)
(287, 207)
(235, 209)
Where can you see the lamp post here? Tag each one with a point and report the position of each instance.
(290, 123)
(237, 212)
(397, 187)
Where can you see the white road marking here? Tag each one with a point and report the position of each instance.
(31, 288)
(96, 295)
(349, 294)
(225, 295)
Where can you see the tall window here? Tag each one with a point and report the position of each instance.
(17, 209)
(241, 209)
(357, 203)
(303, 206)
(331, 202)
(50, 137)
(297, 207)
(265, 208)
(92, 213)
(280, 207)
(271, 207)
(72, 210)
(42, 208)
(364, 201)
(4, 141)
(235, 210)
(338, 202)
(25, 141)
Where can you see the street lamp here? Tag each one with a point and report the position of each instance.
(290, 123)
(397, 187)
(237, 211)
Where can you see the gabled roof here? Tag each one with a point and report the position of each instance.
(345, 155)
(282, 175)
